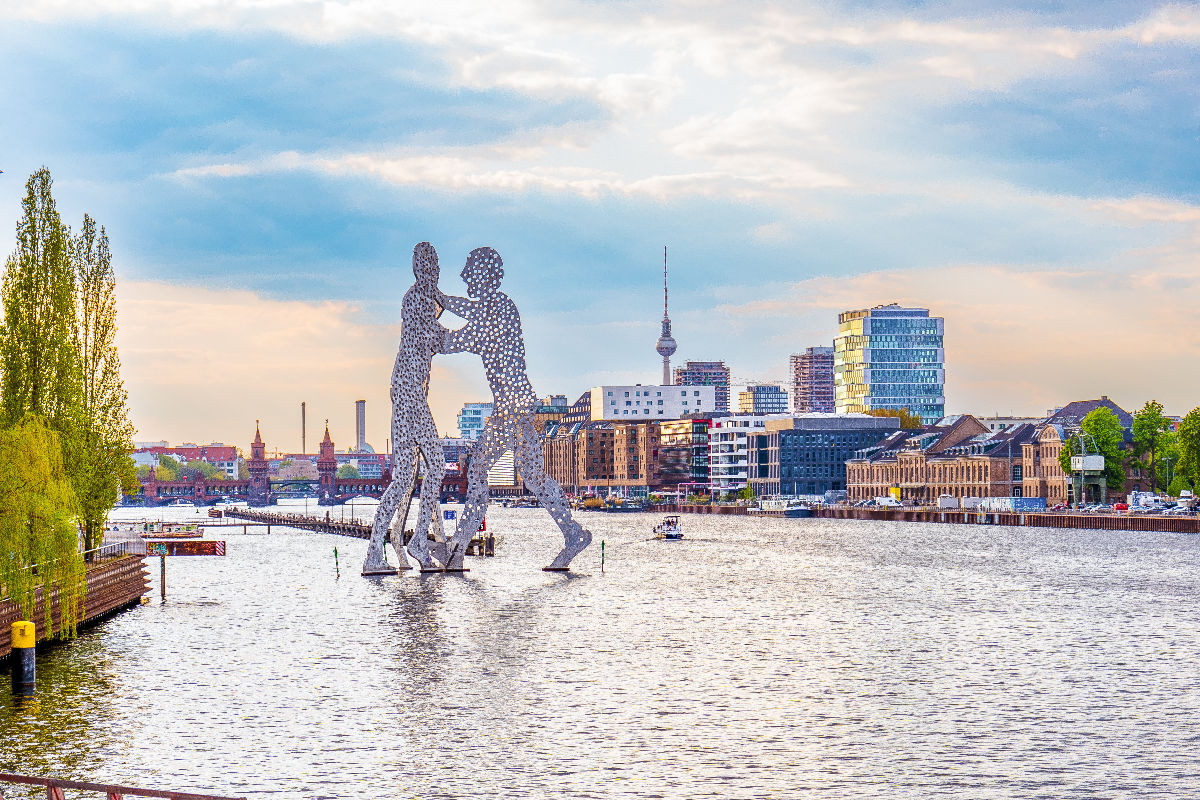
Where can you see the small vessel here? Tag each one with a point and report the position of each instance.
(782, 507)
(669, 528)
(216, 513)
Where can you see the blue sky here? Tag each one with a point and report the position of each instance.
(1027, 170)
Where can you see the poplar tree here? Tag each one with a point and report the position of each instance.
(37, 350)
(103, 441)
(1150, 430)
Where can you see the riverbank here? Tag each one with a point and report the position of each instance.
(1104, 522)
(112, 585)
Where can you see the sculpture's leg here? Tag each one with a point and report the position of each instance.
(547, 490)
(428, 510)
(401, 486)
(487, 450)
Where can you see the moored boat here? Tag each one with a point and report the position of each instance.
(669, 528)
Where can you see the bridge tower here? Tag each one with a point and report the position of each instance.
(260, 487)
(326, 471)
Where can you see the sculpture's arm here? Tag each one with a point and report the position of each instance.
(459, 341)
(458, 306)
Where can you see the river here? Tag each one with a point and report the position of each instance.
(758, 658)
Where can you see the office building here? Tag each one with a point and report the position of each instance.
(763, 398)
(652, 403)
(728, 459)
(706, 373)
(360, 427)
(471, 419)
(812, 381)
(806, 454)
(890, 357)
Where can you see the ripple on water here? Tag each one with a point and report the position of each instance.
(757, 658)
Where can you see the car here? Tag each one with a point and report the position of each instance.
(1120, 507)
(1059, 507)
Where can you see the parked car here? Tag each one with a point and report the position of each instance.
(1059, 507)
(1120, 507)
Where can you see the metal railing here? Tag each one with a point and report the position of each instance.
(55, 786)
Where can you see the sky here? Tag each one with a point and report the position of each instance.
(1030, 171)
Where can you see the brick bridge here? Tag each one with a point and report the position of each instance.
(261, 490)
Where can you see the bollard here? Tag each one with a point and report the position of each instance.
(602, 555)
(163, 580)
(24, 658)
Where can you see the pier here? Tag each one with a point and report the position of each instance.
(317, 524)
(116, 580)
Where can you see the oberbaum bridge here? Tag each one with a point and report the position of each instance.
(261, 490)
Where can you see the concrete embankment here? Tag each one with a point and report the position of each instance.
(1105, 522)
(112, 585)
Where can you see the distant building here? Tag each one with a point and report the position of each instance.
(958, 456)
(806, 454)
(360, 426)
(763, 398)
(890, 357)
(455, 450)
(223, 457)
(683, 452)
(653, 403)
(471, 419)
(812, 381)
(997, 424)
(706, 373)
(728, 459)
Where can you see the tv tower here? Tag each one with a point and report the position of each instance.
(666, 343)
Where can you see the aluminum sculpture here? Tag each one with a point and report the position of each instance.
(414, 435)
(493, 332)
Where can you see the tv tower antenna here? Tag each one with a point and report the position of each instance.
(666, 345)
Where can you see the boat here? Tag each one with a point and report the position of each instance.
(620, 505)
(669, 528)
(782, 507)
(170, 530)
(216, 513)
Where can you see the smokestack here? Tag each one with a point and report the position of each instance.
(360, 424)
(303, 430)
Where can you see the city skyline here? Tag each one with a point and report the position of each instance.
(264, 173)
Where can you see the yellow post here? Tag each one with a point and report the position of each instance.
(24, 657)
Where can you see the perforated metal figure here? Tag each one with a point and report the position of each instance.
(414, 435)
(493, 331)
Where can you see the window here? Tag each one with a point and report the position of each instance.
(627, 394)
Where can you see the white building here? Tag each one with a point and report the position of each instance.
(728, 459)
(471, 419)
(997, 424)
(627, 403)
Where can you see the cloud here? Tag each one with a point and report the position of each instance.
(204, 364)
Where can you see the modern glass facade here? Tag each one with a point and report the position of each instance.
(890, 357)
(763, 398)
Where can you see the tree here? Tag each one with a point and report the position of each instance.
(37, 524)
(104, 440)
(746, 492)
(1150, 427)
(37, 351)
(1103, 426)
(1188, 467)
(348, 471)
(908, 420)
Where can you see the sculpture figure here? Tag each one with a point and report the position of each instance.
(414, 435)
(493, 331)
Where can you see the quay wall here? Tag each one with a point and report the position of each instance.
(112, 585)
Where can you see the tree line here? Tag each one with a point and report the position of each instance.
(1166, 455)
(65, 432)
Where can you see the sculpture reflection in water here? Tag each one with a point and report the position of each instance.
(493, 332)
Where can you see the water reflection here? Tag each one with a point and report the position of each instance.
(756, 658)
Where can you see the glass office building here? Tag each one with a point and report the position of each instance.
(890, 357)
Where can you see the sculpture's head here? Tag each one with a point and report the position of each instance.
(483, 272)
(425, 264)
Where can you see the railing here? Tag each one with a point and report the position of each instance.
(117, 549)
(55, 786)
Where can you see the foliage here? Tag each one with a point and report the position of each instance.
(1103, 426)
(1188, 467)
(37, 350)
(104, 440)
(1150, 427)
(908, 420)
(348, 471)
(195, 469)
(746, 492)
(37, 512)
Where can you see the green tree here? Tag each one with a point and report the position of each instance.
(908, 420)
(348, 471)
(1150, 427)
(103, 442)
(37, 350)
(194, 468)
(1103, 426)
(1188, 467)
(37, 524)
(746, 492)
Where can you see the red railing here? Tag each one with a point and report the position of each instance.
(55, 786)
